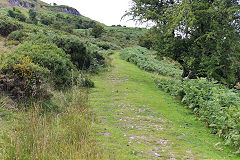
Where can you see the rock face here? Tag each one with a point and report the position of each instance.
(72, 11)
(21, 3)
(28, 5)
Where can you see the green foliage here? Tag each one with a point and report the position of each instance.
(122, 36)
(62, 26)
(51, 57)
(84, 57)
(56, 129)
(105, 45)
(32, 16)
(47, 19)
(146, 40)
(97, 30)
(81, 80)
(142, 58)
(19, 35)
(203, 36)
(215, 104)
(7, 25)
(17, 14)
(65, 22)
(20, 77)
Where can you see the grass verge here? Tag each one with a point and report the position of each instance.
(59, 129)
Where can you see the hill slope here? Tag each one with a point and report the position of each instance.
(39, 6)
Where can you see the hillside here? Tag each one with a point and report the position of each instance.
(38, 5)
(74, 88)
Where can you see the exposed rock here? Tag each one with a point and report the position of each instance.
(72, 11)
(21, 3)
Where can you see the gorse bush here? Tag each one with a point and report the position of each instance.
(51, 57)
(97, 30)
(7, 25)
(20, 77)
(19, 35)
(17, 14)
(47, 19)
(81, 55)
(142, 58)
(216, 105)
(72, 46)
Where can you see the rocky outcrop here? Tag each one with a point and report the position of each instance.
(33, 5)
(72, 11)
(21, 3)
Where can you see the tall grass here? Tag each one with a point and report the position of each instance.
(59, 129)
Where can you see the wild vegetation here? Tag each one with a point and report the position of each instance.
(44, 110)
(143, 58)
(202, 36)
(47, 67)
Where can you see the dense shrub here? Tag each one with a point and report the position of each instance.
(84, 57)
(142, 58)
(7, 25)
(216, 105)
(104, 45)
(32, 16)
(20, 77)
(122, 36)
(17, 14)
(51, 57)
(19, 35)
(47, 19)
(97, 30)
(146, 40)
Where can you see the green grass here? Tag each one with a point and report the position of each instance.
(59, 129)
(135, 120)
(122, 36)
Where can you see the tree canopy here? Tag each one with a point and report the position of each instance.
(202, 35)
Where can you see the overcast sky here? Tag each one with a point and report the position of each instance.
(108, 12)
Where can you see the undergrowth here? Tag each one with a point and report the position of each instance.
(142, 57)
(58, 129)
(215, 105)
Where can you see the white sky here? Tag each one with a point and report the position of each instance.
(108, 12)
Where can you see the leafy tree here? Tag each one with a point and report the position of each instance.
(203, 36)
(97, 30)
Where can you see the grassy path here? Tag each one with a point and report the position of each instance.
(135, 120)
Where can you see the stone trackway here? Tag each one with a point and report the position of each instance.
(126, 127)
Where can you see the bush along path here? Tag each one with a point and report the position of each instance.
(135, 120)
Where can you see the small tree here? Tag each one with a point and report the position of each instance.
(97, 30)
